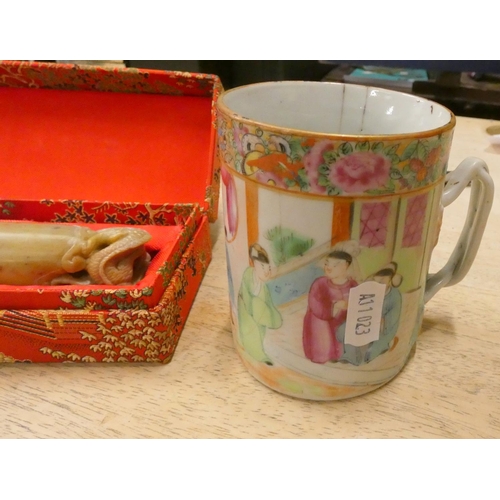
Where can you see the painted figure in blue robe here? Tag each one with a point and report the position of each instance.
(391, 313)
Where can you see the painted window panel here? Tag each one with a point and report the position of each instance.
(414, 221)
(374, 220)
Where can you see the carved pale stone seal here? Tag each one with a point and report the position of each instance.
(51, 254)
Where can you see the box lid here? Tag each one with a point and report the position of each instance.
(106, 135)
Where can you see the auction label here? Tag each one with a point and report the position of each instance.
(364, 313)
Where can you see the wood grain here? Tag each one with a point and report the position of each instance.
(450, 388)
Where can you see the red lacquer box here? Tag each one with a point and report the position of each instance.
(104, 147)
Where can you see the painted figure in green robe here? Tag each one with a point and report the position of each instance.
(256, 311)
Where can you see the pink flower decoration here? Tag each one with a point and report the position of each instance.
(231, 203)
(360, 172)
(226, 176)
(312, 161)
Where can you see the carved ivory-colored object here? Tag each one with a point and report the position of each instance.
(48, 254)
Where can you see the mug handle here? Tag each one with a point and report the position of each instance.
(475, 171)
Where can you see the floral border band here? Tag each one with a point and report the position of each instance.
(333, 167)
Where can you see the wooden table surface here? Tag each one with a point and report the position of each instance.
(450, 388)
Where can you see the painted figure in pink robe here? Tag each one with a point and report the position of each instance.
(327, 305)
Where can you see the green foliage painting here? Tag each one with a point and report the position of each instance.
(287, 244)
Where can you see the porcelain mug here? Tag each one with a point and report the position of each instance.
(333, 199)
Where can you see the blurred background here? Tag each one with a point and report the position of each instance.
(468, 88)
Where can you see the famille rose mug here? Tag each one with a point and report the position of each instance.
(333, 199)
